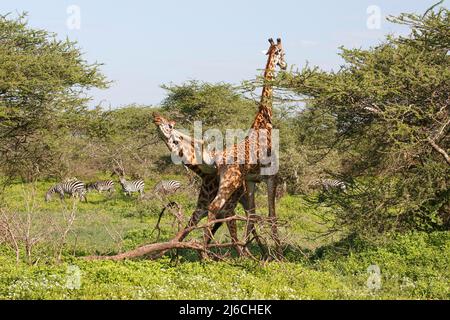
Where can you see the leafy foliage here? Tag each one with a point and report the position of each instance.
(42, 81)
(387, 117)
(412, 267)
(216, 105)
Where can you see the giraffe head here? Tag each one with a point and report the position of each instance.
(276, 53)
(171, 137)
(164, 126)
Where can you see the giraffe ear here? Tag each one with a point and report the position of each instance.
(265, 51)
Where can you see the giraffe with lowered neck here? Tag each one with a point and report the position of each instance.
(231, 186)
(184, 146)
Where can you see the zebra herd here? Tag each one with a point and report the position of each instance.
(77, 189)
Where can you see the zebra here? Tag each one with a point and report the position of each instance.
(132, 186)
(329, 184)
(75, 188)
(107, 185)
(167, 187)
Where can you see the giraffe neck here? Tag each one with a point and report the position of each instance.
(263, 119)
(199, 159)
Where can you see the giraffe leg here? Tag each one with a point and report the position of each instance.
(271, 189)
(230, 181)
(232, 228)
(228, 211)
(208, 191)
(234, 238)
(250, 209)
(244, 200)
(248, 202)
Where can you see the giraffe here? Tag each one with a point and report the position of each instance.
(184, 146)
(237, 175)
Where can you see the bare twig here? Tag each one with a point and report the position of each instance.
(70, 219)
(439, 149)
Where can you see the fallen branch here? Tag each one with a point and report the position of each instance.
(148, 249)
(162, 247)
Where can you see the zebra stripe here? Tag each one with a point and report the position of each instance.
(107, 185)
(166, 187)
(328, 184)
(74, 188)
(132, 186)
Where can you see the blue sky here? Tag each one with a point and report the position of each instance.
(144, 44)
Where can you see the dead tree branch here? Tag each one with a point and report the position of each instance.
(175, 243)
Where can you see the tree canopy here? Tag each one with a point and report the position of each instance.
(216, 105)
(390, 108)
(43, 82)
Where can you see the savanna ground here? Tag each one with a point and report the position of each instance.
(412, 266)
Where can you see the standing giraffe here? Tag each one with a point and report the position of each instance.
(234, 176)
(184, 146)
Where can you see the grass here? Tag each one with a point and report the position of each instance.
(412, 266)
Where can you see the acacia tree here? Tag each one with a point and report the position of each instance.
(42, 95)
(390, 106)
(216, 105)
